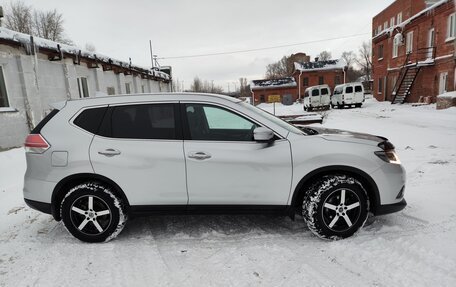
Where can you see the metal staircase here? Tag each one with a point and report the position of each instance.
(409, 72)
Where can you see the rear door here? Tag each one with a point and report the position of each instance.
(349, 95)
(325, 96)
(225, 166)
(316, 102)
(140, 147)
(359, 94)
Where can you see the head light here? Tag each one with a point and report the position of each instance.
(388, 156)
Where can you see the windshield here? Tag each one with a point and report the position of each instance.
(272, 118)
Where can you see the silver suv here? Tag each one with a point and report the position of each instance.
(92, 163)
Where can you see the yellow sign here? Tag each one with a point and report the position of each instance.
(274, 99)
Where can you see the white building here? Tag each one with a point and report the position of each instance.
(35, 73)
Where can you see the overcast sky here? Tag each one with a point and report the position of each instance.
(122, 29)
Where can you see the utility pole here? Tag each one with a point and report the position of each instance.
(151, 54)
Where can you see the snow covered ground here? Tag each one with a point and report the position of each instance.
(416, 247)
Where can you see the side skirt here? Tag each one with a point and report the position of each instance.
(145, 210)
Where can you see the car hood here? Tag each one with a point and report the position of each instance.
(344, 136)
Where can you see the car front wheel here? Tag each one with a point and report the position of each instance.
(336, 207)
(92, 213)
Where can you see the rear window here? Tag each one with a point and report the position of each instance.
(44, 121)
(324, 91)
(90, 119)
(315, 93)
(155, 121)
(358, 89)
(349, 90)
(338, 91)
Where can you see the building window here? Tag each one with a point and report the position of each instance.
(111, 91)
(4, 103)
(385, 25)
(379, 28)
(395, 48)
(127, 88)
(321, 80)
(380, 85)
(337, 80)
(409, 43)
(83, 87)
(262, 99)
(399, 18)
(451, 27)
(305, 81)
(392, 22)
(380, 52)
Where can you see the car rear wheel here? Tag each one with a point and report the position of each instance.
(92, 213)
(336, 207)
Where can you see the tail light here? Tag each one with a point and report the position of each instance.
(35, 143)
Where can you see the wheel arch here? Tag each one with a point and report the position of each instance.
(65, 184)
(366, 180)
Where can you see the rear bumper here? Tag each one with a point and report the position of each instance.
(390, 208)
(38, 205)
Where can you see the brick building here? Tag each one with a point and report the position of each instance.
(413, 50)
(306, 74)
(266, 91)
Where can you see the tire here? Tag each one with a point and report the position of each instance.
(305, 108)
(80, 212)
(328, 215)
(358, 105)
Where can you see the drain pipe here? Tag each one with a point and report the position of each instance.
(299, 85)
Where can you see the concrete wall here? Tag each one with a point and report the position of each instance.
(33, 83)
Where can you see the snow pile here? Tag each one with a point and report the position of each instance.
(415, 247)
(448, 95)
(273, 83)
(339, 64)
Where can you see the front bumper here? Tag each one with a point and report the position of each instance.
(390, 208)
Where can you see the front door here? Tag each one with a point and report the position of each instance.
(225, 166)
(443, 83)
(140, 148)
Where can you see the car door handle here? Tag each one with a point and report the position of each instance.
(109, 152)
(199, 155)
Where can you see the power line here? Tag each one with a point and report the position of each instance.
(261, 49)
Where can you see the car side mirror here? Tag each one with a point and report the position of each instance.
(262, 134)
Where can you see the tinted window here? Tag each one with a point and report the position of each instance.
(44, 121)
(90, 119)
(315, 92)
(324, 91)
(349, 90)
(207, 122)
(155, 121)
(338, 91)
(358, 89)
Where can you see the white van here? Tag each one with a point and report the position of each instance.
(317, 97)
(347, 95)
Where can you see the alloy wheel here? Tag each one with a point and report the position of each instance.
(341, 210)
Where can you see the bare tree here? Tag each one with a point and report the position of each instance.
(244, 89)
(205, 87)
(18, 17)
(349, 57)
(45, 24)
(325, 56)
(279, 69)
(90, 47)
(364, 59)
(49, 25)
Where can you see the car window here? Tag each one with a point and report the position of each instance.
(315, 92)
(338, 91)
(349, 90)
(207, 122)
(148, 121)
(358, 89)
(90, 119)
(306, 93)
(324, 91)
